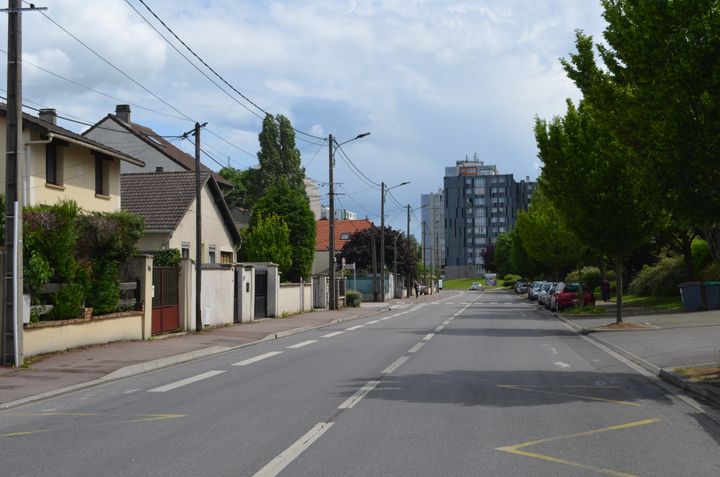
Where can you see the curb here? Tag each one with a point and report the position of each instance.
(668, 375)
(141, 368)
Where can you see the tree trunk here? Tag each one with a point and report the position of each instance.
(712, 236)
(619, 280)
(687, 256)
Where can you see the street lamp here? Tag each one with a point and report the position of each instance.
(332, 146)
(383, 190)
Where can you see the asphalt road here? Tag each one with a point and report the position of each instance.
(474, 384)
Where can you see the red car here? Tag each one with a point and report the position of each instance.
(566, 296)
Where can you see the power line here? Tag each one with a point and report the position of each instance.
(355, 169)
(208, 66)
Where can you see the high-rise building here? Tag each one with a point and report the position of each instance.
(480, 204)
(432, 215)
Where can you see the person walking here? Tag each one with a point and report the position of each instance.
(605, 289)
(417, 289)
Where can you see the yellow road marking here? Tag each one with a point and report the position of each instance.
(592, 398)
(157, 417)
(515, 449)
(24, 433)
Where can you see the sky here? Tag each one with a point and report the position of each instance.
(433, 81)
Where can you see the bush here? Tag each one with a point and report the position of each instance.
(700, 253)
(711, 271)
(353, 298)
(104, 293)
(68, 302)
(167, 258)
(589, 275)
(661, 279)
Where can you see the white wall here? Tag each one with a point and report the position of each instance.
(294, 298)
(217, 296)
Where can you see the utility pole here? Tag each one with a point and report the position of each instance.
(373, 255)
(331, 225)
(424, 242)
(395, 264)
(382, 241)
(412, 252)
(10, 345)
(198, 232)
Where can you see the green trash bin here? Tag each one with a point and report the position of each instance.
(691, 296)
(712, 295)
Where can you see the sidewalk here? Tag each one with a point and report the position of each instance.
(84, 367)
(662, 342)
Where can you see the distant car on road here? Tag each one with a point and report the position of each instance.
(476, 286)
(422, 290)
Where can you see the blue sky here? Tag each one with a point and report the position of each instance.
(432, 80)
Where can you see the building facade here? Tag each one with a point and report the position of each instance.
(432, 215)
(480, 204)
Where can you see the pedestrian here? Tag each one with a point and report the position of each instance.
(417, 289)
(605, 289)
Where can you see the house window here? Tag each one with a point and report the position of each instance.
(345, 236)
(226, 257)
(211, 250)
(102, 174)
(53, 164)
(185, 250)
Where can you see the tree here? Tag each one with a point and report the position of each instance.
(293, 207)
(547, 239)
(521, 263)
(269, 241)
(591, 178)
(664, 54)
(246, 186)
(358, 250)
(489, 258)
(278, 156)
(503, 251)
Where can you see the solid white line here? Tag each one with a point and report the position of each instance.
(386, 318)
(304, 343)
(183, 382)
(355, 398)
(353, 328)
(371, 322)
(428, 336)
(439, 329)
(275, 466)
(257, 358)
(334, 333)
(395, 365)
(415, 348)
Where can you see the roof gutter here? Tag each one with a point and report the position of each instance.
(107, 152)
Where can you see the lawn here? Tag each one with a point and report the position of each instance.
(464, 283)
(665, 303)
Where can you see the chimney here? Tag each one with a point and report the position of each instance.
(48, 115)
(122, 111)
(159, 169)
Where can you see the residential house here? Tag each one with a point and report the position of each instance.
(61, 165)
(167, 201)
(343, 231)
(118, 131)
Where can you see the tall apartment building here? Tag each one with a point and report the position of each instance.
(432, 215)
(480, 204)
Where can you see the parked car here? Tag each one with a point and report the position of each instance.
(545, 291)
(476, 286)
(422, 290)
(521, 286)
(566, 295)
(534, 289)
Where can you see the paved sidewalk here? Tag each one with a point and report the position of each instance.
(84, 367)
(667, 341)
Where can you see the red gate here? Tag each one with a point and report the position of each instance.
(165, 306)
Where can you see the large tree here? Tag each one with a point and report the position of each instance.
(292, 206)
(592, 180)
(358, 250)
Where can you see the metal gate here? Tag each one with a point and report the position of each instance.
(261, 280)
(165, 306)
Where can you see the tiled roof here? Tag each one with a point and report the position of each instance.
(341, 227)
(163, 198)
(182, 158)
(45, 127)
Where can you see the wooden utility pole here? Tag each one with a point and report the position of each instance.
(11, 344)
(198, 232)
(331, 224)
(382, 241)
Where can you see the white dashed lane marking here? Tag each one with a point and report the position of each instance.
(334, 333)
(304, 343)
(257, 358)
(185, 382)
(359, 394)
(353, 328)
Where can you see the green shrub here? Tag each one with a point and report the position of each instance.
(700, 255)
(711, 271)
(661, 279)
(68, 302)
(167, 258)
(353, 298)
(104, 293)
(37, 273)
(590, 275)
